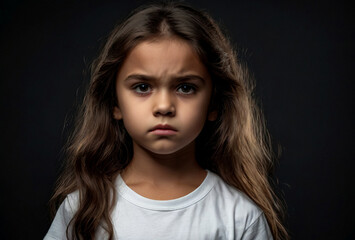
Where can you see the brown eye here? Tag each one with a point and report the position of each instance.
(186, 89)
(142, 88)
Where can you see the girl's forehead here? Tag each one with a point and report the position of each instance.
(163, 56)
(167, 44)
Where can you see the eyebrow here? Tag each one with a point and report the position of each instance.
(182, 78)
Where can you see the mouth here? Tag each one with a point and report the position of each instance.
(163, 130)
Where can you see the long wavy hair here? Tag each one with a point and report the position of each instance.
(236, 146)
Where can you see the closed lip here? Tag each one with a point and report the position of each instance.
(163, 127)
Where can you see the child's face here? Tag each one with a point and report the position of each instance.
(163, 94)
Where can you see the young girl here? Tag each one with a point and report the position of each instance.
(169, 143)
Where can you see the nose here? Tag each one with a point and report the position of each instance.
(164, 104)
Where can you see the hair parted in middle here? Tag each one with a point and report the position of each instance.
(235, 145)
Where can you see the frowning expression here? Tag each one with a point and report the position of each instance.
(163, 92)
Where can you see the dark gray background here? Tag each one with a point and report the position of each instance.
(301, 55)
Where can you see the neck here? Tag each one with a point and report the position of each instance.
(164, 170)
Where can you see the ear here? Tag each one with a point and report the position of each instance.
(212, 116)
(117, 114)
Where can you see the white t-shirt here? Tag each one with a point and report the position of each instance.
(214, 210)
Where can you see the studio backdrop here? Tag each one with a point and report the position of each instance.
(301, 55)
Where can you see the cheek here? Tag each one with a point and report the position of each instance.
(132, 113)
(195, 116)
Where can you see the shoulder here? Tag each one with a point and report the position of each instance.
(249, 221)
(71, 202)
(69, 206)
(246, 212)
(63, 217)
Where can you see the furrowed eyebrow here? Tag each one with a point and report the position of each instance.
(189, 77)
(139, 77)
(150, 78)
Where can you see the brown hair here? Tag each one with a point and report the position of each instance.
(239, 147)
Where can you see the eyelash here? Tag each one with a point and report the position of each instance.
(192, 88)
(137, 86)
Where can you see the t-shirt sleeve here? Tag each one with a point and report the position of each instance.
(258, 230)
(61, 220)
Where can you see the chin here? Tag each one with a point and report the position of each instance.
(168, 149)
(164, 151)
